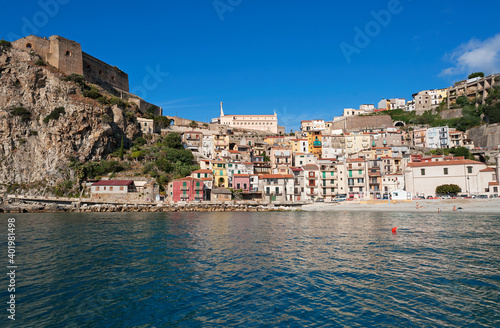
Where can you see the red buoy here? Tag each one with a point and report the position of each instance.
(394, 229)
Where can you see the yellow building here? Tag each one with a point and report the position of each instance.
(355, 142)
(220, 174)
(314, 139)
(220, 143)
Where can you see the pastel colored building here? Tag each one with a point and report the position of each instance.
(187, 189)
(265, 123)
(242, 181)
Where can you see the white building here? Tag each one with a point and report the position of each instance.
(264, 123)
(472, 177)
(207, 146)
(437, 137)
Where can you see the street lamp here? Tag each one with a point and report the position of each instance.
(468, 185)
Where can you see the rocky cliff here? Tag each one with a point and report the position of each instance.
(35, 150)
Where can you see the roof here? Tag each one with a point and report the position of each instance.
(493, 184)
(233, 151)
(488, 169)
(276, 176)
(187, 179)
(113, 183)
(441, 163)
(310, 167)
(202, 171)
(242, 175)
(296, 168)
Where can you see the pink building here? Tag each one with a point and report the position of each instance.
(241, 181)
(187, 189)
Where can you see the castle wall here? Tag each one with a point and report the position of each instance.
(66, 54)
(97, 71)
(355, 123)
(39, 45)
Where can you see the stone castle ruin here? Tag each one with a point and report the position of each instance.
(67, 56)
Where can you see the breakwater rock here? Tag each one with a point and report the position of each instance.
(36, 207)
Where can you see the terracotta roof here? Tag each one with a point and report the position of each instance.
(187, 179)
(441, 163)
(488, 169)
(113, 183)
(381, 147)
(310, 167)
(493, 184)
(296, 168)
(202, 171)
(276, 176)
(233, 151)
(206, 179)
(242, 175)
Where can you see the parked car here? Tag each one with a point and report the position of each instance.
(320, 200)
(482, 196)
(340, 198)
(446, 197)
(493, 195)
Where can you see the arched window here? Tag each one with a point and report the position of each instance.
(68, 53)
(28, 45)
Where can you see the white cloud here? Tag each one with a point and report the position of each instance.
(475, 56)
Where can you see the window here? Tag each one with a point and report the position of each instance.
(68, 53)
(96, 188)
(110, 188)
(469, 169)
(28, 45)
(121, 188)
(277, 189)
(104, 188)
(445, 171)
(422, 171)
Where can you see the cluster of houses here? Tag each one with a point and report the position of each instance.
(249, 157)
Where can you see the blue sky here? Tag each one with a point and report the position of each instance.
(302, 59)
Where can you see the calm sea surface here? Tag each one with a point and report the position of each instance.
(303, 269)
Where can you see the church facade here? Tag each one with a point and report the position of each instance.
(264, 123)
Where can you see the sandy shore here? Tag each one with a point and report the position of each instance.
(486, 206)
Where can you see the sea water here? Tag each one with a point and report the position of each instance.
(253, 269)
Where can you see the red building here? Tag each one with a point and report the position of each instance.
(187, 189)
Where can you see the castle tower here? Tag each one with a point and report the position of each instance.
(221, 111)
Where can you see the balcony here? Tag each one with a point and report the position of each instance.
(185, 188)
(274, 194)
(312, 185)
(311, 193)
(311, 177)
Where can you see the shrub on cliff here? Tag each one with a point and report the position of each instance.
(117, 101)
(92, 93)
(40, 62)
(22, 112)
(5, 45)
(78, 79)
(54, 115)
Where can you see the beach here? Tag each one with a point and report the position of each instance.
(463, 205)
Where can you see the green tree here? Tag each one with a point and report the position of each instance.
(137, 154)
(164, 164)
(193, 124)
(162, 121)
(140, 141)
(476, 74)
(447, 189)
(173, 140)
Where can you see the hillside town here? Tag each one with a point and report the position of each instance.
(357, 156)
